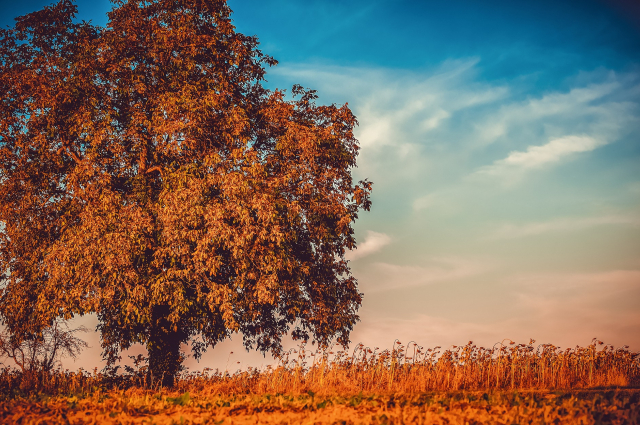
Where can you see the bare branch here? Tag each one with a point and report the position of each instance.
(42, 352)
(155, 168)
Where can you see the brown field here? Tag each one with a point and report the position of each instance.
(138, 407)
(504, 384)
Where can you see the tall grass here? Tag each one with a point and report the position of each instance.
(403, 368)
(412, 369)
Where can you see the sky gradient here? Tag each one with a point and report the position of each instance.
(503, 140)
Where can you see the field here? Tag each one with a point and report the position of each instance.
(137, 407)
(504, 384)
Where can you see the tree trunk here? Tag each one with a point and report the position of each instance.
(163, 347)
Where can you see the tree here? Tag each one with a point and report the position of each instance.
(147, 176)
(42, 352)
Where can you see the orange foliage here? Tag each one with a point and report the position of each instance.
(146, 175)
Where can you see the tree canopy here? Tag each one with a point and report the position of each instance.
(148, 176)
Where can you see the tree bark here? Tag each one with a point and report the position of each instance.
(163, 347)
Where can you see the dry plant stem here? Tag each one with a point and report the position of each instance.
(465, 384)
(470, 368)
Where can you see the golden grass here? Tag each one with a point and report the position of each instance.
(136, 406)
(411, 369)
(407, 369)
(506, 383)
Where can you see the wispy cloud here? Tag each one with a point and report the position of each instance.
(447, 120)
(424, 202)
(399, 109)
(510, 231)
(590, 109)
(548, 284)
(538, 156)
(440, 145)
(373, 242)
(386, 277)
(565, 309)
(556, 126)
(425, 330)
(592, 304)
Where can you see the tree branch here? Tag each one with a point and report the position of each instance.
(74, 155)
(155, 168)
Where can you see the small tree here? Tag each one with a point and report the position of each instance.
(41, 352)
(146, 175)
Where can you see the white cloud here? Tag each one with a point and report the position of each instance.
(510, 231)
(548, 284)
(398, 109)
(405, 109)
(414, 125)
(425, 330)
(434, 120)
(581, 108)
(430, 140)
(586, 304)
(424, 202)
(537, 156)
(386, 277)
(552, 151)
(565, 309)
(373, 242)
(548, 129)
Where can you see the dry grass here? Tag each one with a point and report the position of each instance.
(406, 369)
(411, 369)
(507, 383)
(136, 406)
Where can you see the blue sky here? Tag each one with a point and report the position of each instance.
(503, 140)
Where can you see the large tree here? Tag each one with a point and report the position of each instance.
(147, 176)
